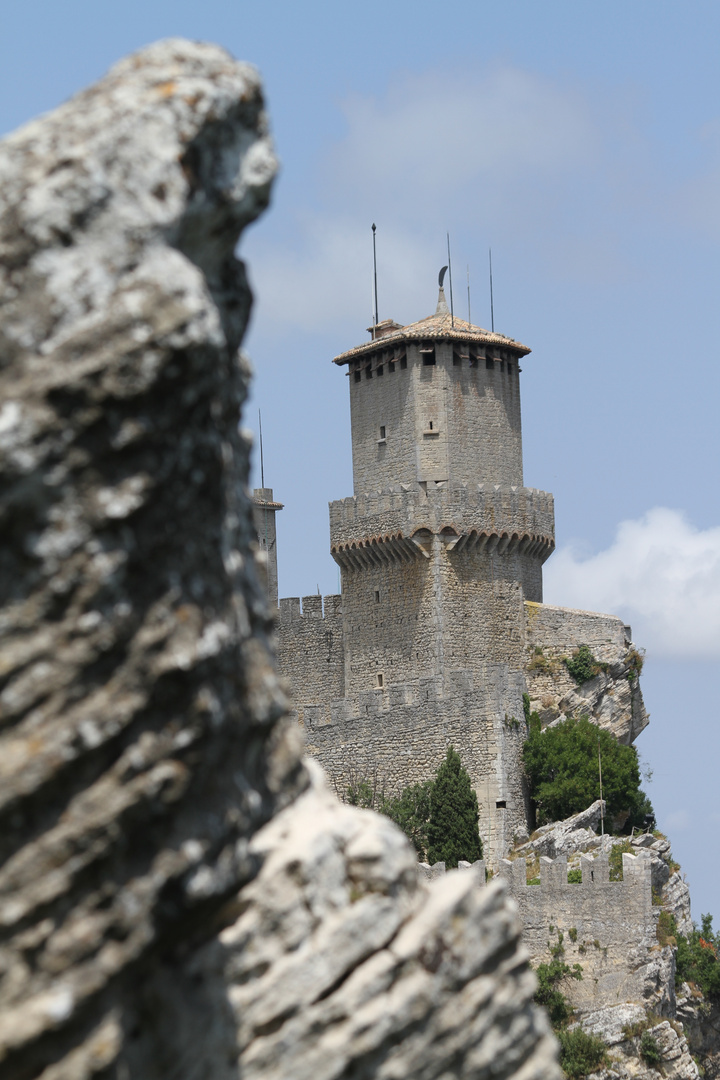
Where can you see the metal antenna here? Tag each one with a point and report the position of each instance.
(468, 284)
(492, 309)
(375, 320)
(452, 310)
(262, 463)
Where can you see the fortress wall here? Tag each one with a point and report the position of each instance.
(459, 508)
(557, 631)
(389, 628)
(400, 734)
(614, 922)
(310, 653)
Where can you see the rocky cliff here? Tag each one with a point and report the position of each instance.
(178, 896)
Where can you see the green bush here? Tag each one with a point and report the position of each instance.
(440, 816)
(581, 1053)
(361, 794)
(411, 811)
(697, 958)
(452, 829)
(649, 1049)
(582, 665)
(561, 764)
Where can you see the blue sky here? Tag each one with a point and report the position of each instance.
(582, 142)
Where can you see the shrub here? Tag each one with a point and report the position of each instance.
(452, 828)
(411, 811)
(575, 878)
(561, 764)
(581, 1053)
(582, 665)
(697, 958)
(361, 794)
(649, 1049)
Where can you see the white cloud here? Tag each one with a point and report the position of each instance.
(661, 575)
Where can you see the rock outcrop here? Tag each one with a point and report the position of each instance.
(176, 898)
(612, 698)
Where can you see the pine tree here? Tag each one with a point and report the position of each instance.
(453, 825)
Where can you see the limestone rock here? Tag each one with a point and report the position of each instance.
(612, 699)
(676, 900)
(154, 924)
(701, 1023)
(374, 973)
(569, 837)
(608, 1023)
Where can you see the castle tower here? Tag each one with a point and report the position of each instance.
(264, 510)
(441, 550)
(440, 544)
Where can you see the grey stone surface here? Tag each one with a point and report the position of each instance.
(175, 901)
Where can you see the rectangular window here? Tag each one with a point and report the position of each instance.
(403, 363)
(382, 431)
(379, 679)
(357, 376)
(377, 596)
(500, 804)
(428, 359)
(380, 369)
(391, 366)
(368, 372)
(489, 363)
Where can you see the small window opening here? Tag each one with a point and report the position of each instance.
(456, 359)
(391, 366)
(379, 679)
(502, 365)
(473, 360)
(430, 427)
(368, 373)
(382, 431)
(357, 375)
(489, 363)
(380, 369)
(403, 363)
(428, 359)
(500, 804)
(377, 596)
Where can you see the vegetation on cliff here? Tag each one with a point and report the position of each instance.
(561, 764)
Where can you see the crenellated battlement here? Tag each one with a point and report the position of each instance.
(384, 526)
(606, 927)
(292, 609)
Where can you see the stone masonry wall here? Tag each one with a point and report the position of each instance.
(607, 927)
(483, 404)
(613, 923)
(309, 649)
(399, 735)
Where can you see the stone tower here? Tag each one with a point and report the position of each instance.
(441, 543)
(264, 510)
(440, 627)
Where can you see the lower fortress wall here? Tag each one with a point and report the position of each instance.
(613, 924)
(398, 734)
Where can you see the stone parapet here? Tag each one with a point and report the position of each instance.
(390, 524)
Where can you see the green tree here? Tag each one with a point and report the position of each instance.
(697, 958)
(452, 828)
(411, 811)
(561, 764)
